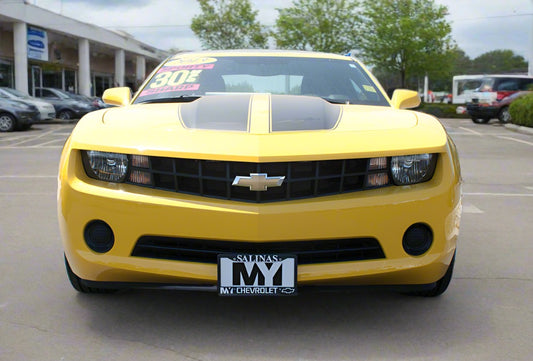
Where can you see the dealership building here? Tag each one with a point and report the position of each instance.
(40, 48)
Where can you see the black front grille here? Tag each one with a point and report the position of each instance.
(214, 178)
(308, 252)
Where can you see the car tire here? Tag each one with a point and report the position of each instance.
(480, 120)
(440, 286)
(65, 115)
(504, 116)
(8, 122)
(80, 285)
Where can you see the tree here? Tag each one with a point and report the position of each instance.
(320, 25)
(499, 61)
(408, 37)
(461, 63)
(228, 24)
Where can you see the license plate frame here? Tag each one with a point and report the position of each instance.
(257, 274)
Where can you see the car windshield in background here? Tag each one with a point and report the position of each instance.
(337, 81)
(16, 93)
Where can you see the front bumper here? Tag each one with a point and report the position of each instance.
(79, 113)
(47, 113)
(384, 214)
(479, 111)
(27, 117)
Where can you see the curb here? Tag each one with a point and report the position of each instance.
(519, 129)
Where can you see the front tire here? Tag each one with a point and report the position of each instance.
(65, 115)
(79, 284)
(504, 116)
(7, 122)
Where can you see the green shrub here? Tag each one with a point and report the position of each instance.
(522, 111)
(441, 110)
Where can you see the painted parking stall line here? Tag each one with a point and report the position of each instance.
(517, 140)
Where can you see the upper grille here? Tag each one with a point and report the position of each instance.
(307, 252)
(214, 178)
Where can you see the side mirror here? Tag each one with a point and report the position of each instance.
(405, 99)
(117, 96)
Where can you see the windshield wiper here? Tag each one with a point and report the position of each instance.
(177, 99)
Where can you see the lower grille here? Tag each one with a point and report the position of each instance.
(307, 252)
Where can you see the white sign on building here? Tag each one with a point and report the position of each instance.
(37, 44)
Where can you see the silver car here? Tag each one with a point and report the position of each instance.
(46, 110)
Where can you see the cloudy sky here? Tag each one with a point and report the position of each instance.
(478, 25)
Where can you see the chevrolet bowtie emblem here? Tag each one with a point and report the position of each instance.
(258, 181)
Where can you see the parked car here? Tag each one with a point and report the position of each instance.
(46, 110)
(84, 99)
(484, 112)
(65, 105)
(259, 173)
(497, 87)
(16, 115)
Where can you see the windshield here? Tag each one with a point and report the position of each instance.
(338, 81)
(16, 93)
(63, 94)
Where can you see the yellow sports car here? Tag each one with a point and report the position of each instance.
(259, 173)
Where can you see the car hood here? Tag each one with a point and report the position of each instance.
(259, 127)
(36, 102)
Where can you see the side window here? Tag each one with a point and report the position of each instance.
(508, 84)
(47, 94)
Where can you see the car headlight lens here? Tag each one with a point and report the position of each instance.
(411, 169)
(105, 166)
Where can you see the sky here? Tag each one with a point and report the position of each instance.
(478, 26)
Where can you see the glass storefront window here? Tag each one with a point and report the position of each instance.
(6, 74)
(71, 83)
(101, 83)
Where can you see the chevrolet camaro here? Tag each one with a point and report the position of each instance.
(259, 173)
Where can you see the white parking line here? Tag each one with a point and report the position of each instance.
(46, 143)
(516, 140)
(471, 131)
(15, 138)
(470, 208)
(29, 140)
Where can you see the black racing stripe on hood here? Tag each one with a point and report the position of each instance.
(217, 112)
(290, 112)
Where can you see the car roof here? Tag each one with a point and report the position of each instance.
(263, 52)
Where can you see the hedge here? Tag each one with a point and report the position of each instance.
(522, 111)
(441, 110)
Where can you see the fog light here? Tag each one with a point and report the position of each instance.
(99, 236)
(417, 239)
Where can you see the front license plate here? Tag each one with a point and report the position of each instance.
(256, 275)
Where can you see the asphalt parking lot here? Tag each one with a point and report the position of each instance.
(486, 314)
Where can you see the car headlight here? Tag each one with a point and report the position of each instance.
(105, 166)
(411, 169)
